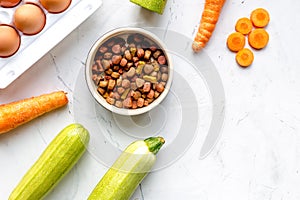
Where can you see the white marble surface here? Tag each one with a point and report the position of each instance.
(258, 154)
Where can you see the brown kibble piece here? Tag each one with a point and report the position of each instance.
(115, 95)
(103, 84)
(131, 72)
(146, 103)
(156, 94)
(150, 95)
(140, 53)
(107, 55)
(164, 77)
(128, 55)
(156, 54)
(139, 82)
(136, 95)
(101, 90)
(134, 104)
(116, 59)
(147, 87)
(105, 64)
(119, 104)
(161, 60)
(164, 69)
(115, 75)
(159, 87)
(110, 100)
(120, 90)
(148, 68)
(123, 62)
(127, 103)
(140, 102)
(116, 49)
(125, 83)
(111, 84)
(103, 49)
(133, 86)
(147, 54)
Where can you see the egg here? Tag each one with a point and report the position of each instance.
(9, 3)
(55, 6)
(9, 41)
(29, 18)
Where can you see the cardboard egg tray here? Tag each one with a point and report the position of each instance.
(33, 47)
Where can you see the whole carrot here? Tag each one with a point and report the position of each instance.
(17, 113)
(209, 19)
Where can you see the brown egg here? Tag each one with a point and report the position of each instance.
(55, 6)
(9, 41)
(29, 18)
(9, 3)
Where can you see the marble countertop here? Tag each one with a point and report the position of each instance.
(257, 156)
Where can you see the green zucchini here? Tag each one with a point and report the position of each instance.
(55, 162)
(153, 5)
(134, 163)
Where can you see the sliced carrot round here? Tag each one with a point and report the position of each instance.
(260, 17)
(244, 57)
(243, 25)
(235, 41)
(258, 38)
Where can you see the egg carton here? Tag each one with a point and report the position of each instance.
(33, 47)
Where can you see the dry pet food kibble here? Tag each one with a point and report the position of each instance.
(130, 71)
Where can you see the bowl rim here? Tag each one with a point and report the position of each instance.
(90, 60)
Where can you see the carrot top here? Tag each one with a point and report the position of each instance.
(260, 17)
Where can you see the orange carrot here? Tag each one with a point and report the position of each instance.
(244, 57)
(243, 25)
(209, 19)
(258, 38)
(17, 113)
(235, 41)
(260, 17)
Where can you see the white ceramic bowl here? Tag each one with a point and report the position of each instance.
(124, 32)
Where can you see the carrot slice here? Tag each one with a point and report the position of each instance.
(19, 112)
(243, 25)
(235, 41)
(260, 17)
(244, 57)
(258, 38)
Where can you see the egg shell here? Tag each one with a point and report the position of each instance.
(29, 18)
(55, 6)
(9, 40)
(9, 3)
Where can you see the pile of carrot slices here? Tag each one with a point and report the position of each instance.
(258, 37)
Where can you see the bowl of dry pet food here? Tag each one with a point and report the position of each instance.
(129, 71)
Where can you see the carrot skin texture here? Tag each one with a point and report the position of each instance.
(20, 112)
(209, 19)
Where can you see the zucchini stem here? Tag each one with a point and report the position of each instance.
(154, 144)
